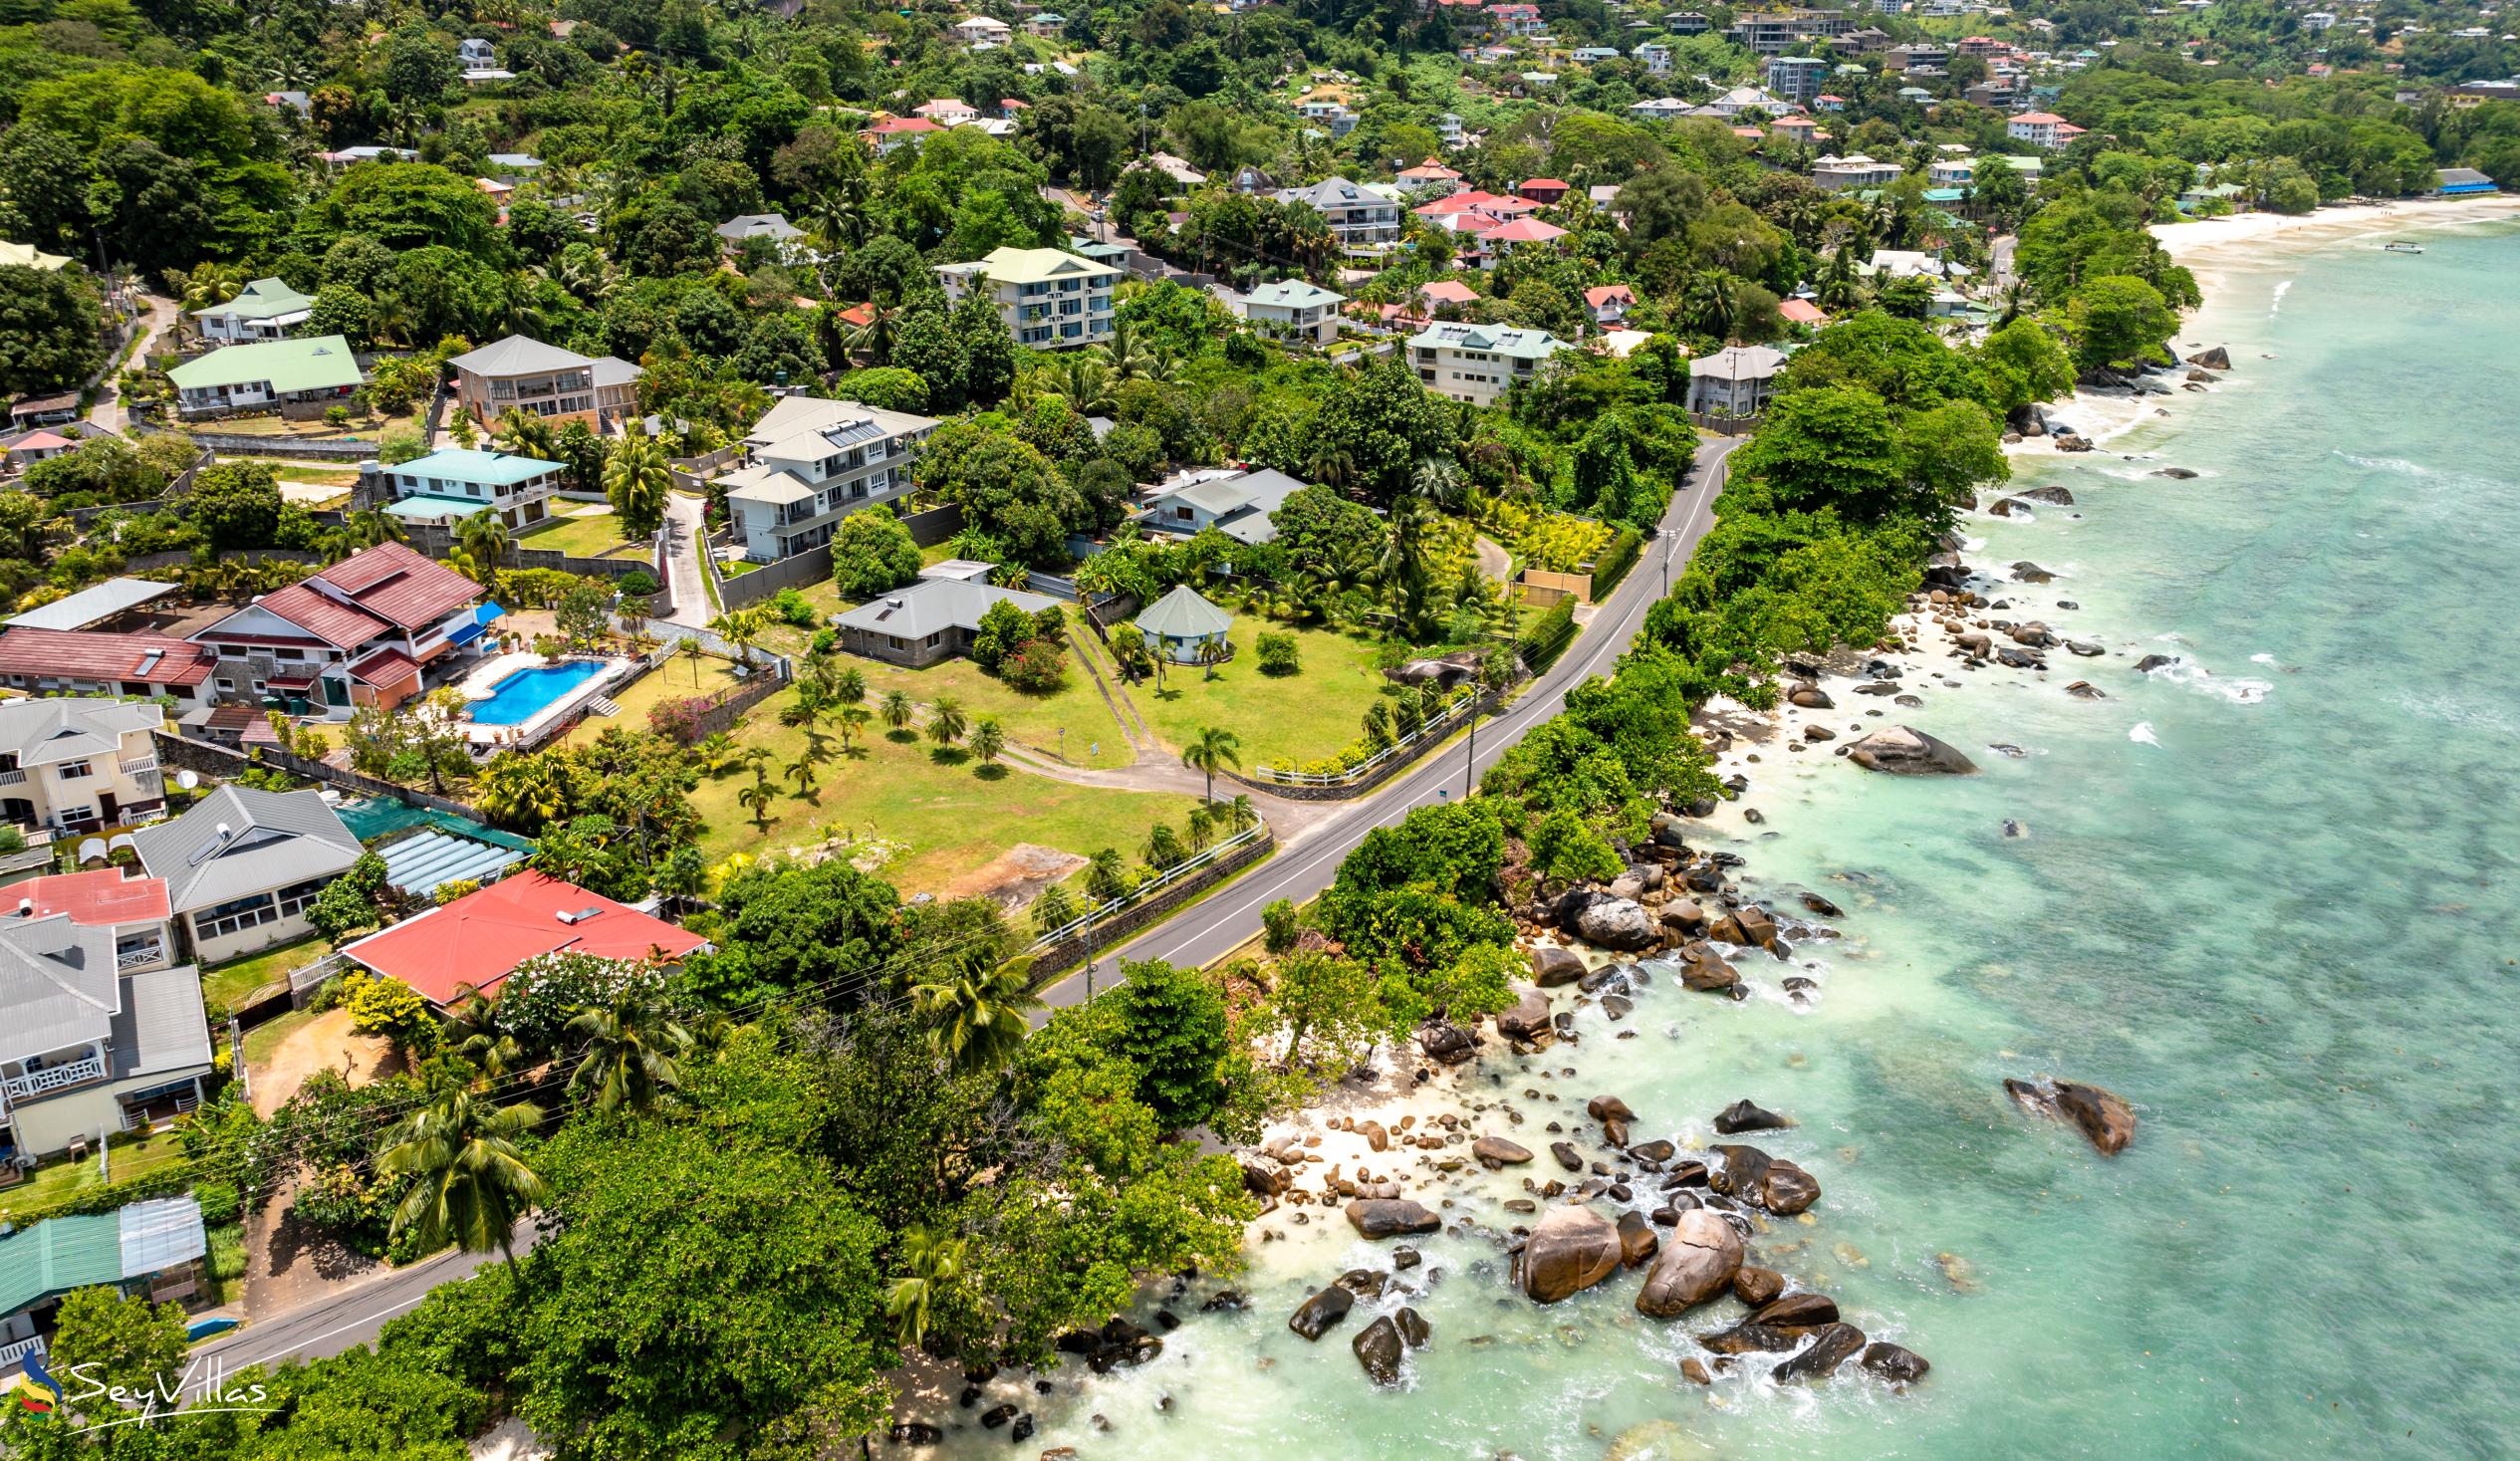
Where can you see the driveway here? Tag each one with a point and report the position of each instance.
(108, 411)
(687, 529)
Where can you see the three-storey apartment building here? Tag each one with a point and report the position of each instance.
(1478, 363)
(1363, 223)
(809, 463)
(545, 380)
(1049, 298)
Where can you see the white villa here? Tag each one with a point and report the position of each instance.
(809, 463)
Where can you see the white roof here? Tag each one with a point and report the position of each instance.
(1739, 363)
(518, 354)
(98, 601)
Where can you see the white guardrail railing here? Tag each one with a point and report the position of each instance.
(1158, 883)
(1403, 747)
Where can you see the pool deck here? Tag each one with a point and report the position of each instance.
(483, 682)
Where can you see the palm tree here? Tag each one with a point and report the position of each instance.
(852, 721)
(636, 481)
(1129, 358)
(469, 1186)
(717, 753)
(486, 540)
(872, 341)
(370, 526)
(801, 771)
(897, 711)
(740, 628)
(946, 720)
(692, 652)
(975, 1007)
(1238, 815)
(471, 1030)
(1211, 654)
(757, 799)
(849, 686)
(1329, 463)
(632, 1054)
(1215, 749)
(931, 1263)
(1201, 829)
(988, 740)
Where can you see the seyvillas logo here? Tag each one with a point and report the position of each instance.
(202, 1390)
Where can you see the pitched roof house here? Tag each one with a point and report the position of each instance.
(101, 1034)
(475, 942)
(357, 634)
(243, 865)
(75, 763)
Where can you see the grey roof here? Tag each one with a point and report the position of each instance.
(614, 371)
(518, 355)
(1183, 615)
(2459, 177)
(160, 1233)
(931, 604)
(161, 1028)
(98, 601)
(1333, 192)
(58, 984)
(272, 839)
(1241, 504)
(759, 225)
(1739, 363)
(52, 731)
(1293, 293)
(1532, 345)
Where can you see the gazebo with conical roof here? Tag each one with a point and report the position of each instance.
(1176, 624)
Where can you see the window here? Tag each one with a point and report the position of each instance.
(234, 916)
(73, 770)
(299, 896)
(69, 815)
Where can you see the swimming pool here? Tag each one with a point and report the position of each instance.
(523, 695)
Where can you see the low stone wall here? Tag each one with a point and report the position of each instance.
(1053, 960)
(186, 754)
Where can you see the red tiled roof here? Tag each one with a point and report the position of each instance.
(1801, 312)
(40, 442)
(336, 623)
(404, 588)
(386, 668)
(2039, 119)
(96, 900)
(902, 124)
(861, 315)
(480, 938)
(1448, 292)
(1542, 184)
(1523, 230)
(83, 655)
(1601, 293)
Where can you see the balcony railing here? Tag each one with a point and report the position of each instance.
(139, 957)
(55, 1078)
(13, 1356)
(12, 777)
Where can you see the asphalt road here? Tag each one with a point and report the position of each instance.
(1200, 934)
(1211, 928)
(351, 1316)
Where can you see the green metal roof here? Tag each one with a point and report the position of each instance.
(311, 364)
(1183, 615)
(424, 507)
(261, 299)
(57, 1256)
(467, 465)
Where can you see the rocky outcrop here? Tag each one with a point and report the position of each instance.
(1386, 1217)
(1571, 1250)
(1831, 1346)
(2104, 1116)
(1447, 1043)
(1747, 1115)
(1895, 1363)
(1747, 1173)
(1636, 1241)
(1495, 1152)
(1697, 1263)
(1552, 966)
(1615, 923)
(1414, 1327)
(1757, 1286)
(1704, 970)
(2051, 495)
(1527, 1018)
(2214, 359)
(1313, 1316)
(1379, 1349)
(1905, 751)
(1265, 1176)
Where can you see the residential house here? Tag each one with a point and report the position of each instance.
(1049, 25)
(1774, 35)
(514, 168)
(85, 662)
(1178, 627)
(1329, 113)
(1176, 169)
(1363, 223)
(1801, 312)
(1049, 298)
(1430, 178)
(1656, 58)
(1749, 99)
(1446, 294)
(361, 633)
(786, 239)
(1800, 131)
(1012, 109)
(1609, 304)
(242, 868)
(1293, 310)
(522, 373)
(77, 762)
(22, 449)
(1478, 363)
(1734, 382)
(1917, 59)
(151, 1250)
(451, 484)
(932, 620)
(1515, 20)
(1829, 102)
(104, 1035)
(481, 63)
(809, 463)
(1593, 55)
(1913, 264)
(1836, 174)
(947, 112)
(978, 32)
(2462, 183)
(1516, 233)
(896, 132)
(263, 310)
(1797, 79)
(1542, 190)
(298, 377)
(471, 945)
(1685, 23)
(2043, 129)
(1238, 504)
(1661, 108)
(1951, 171)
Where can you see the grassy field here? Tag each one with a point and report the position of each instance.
(678, 678)
(589, 537)
(264, 1040)
(130, 1156)
(1282, 720)
(1093, 736)
(227, 984)
(948, 815)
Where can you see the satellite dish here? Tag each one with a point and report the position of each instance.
(187, 779)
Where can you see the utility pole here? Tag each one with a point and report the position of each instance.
(1089, 954)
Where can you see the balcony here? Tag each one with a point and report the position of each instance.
(139, 956)
(12, 777)
(54, 1078)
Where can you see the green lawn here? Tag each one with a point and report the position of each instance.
(1093, 736)
(948, 815)
(678, 678)
(264, 1041)
(226, 1263)
(590, 536)
(131, 1156)
(1282, 721)
(226, 985)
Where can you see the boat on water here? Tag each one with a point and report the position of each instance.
(2400, 246)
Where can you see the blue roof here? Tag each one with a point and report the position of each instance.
(425, 506)
(422, 864)
(466, 465)
(487, 612)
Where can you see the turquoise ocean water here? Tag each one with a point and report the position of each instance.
(2268, 897)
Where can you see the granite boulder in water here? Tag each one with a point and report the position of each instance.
(1697, 1263)
(1571, 1250)
(1902, 750)
(1615, 923)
